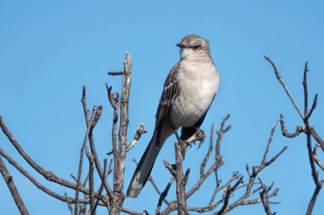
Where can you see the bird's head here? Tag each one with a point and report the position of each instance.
(193, 46)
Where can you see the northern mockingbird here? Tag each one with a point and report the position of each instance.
(187, 95)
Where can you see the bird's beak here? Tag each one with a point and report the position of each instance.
(179, 45)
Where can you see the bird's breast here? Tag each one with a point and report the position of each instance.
(198, 84)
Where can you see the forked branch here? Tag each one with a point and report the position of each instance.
(307, 129)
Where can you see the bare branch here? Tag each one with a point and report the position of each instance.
(172, 168)
(309, 132)
(94, 121)
(114, 101)
(46, 174)
(220, 134)
(42, 187)
(316, 159)
(100, 189)
(140, 130)
(314, 198)
(284, 86)
(180, 189)
(210, 149)
(91, 184)
(218, 159)
(252, 177)
(264, 163)
(84, 104)
(317, 182)
(305, 91)
(69, 205)
(120, 152)
(228, 192)
(116, 73)
(269, 142)
(317, 137)
(163, 195)
(12, 187)
(88, 123)
(313, 107)
(299, 129)
(264, 194)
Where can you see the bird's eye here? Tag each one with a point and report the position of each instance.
(196, 47)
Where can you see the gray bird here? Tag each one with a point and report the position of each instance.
(188, 92)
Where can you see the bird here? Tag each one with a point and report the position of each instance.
(188, 93)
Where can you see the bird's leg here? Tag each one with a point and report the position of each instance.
(200, 135)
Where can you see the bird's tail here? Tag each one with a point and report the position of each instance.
(143, 169)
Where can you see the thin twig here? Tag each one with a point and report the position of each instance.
(163, 195)
(91, 184)
(84, 104)
(114, 102)
(284, 86)
(116, 73)
(305, 91)
(100, 189)
(317, 138)
(313, 107)
(209, 151)
(140, 130)
(269, 141)
(317, 182)
(69, 205)
(88, 123)
(316, 159)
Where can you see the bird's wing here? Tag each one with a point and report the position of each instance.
(169, 94)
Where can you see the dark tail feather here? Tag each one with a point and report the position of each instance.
(143, 170)
(144, 167)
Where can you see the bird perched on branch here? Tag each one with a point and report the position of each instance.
(188, 92)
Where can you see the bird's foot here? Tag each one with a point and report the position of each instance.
(200, 135)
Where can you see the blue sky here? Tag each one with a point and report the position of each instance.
(50, 49)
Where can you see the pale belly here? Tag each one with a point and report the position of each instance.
(189, 107)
